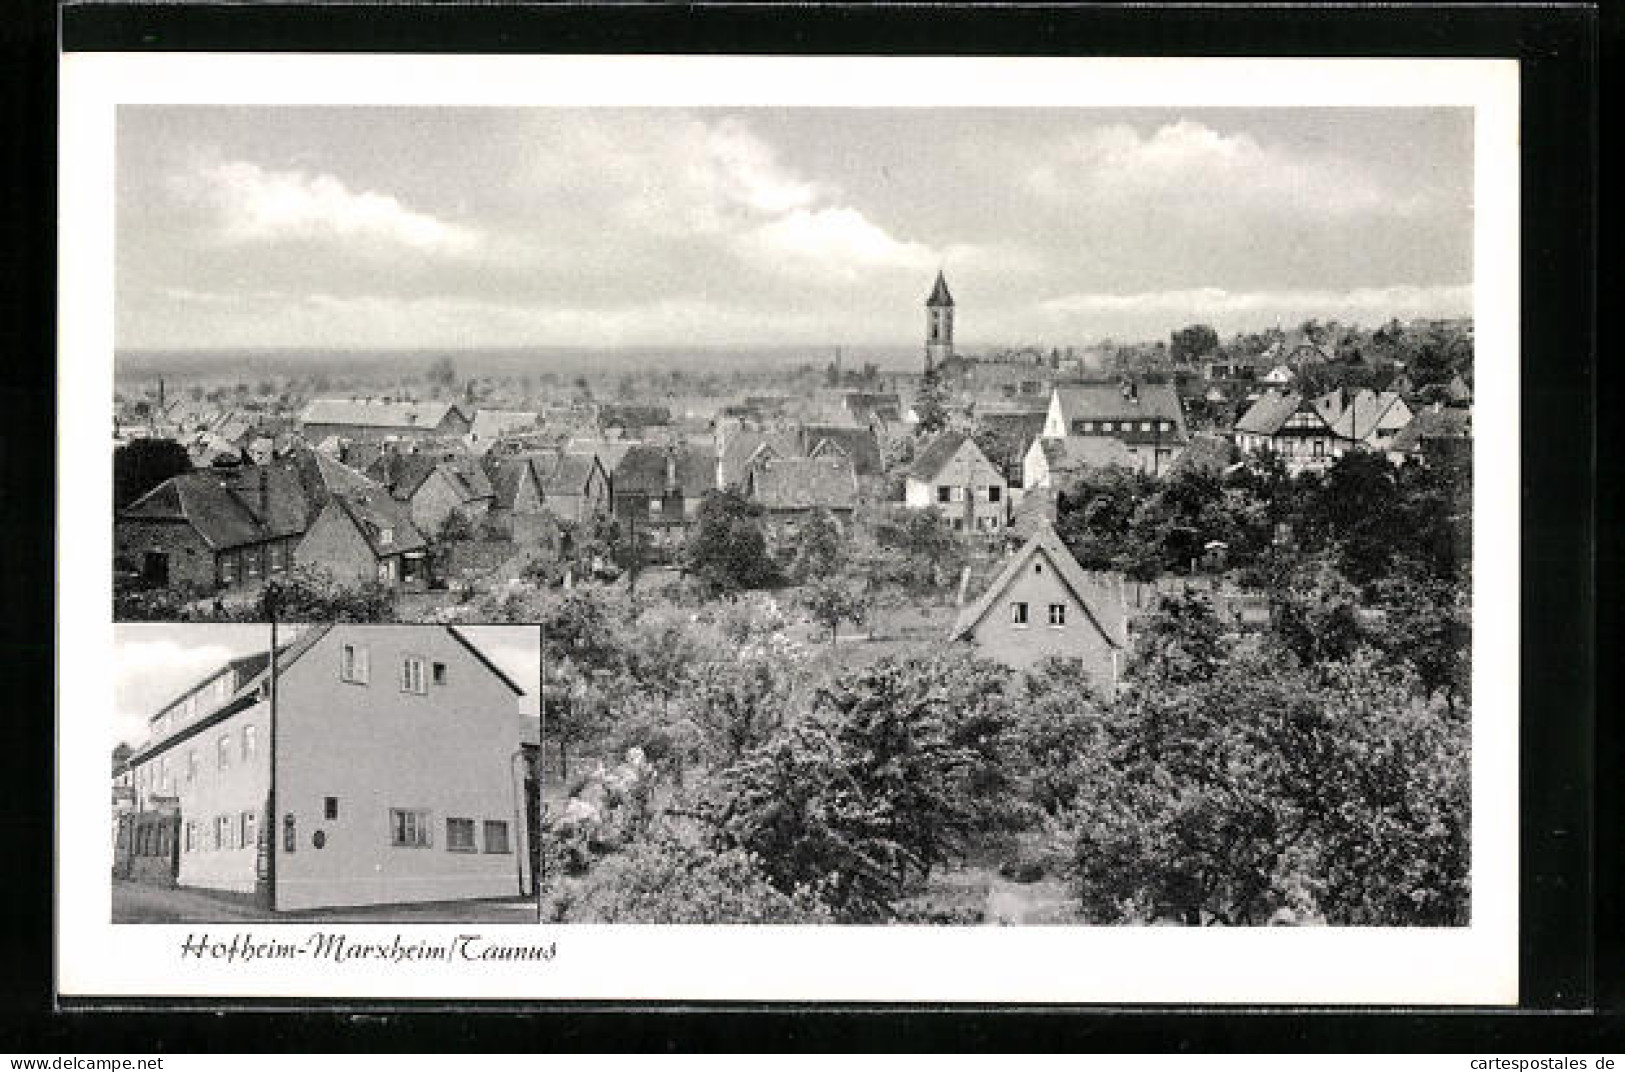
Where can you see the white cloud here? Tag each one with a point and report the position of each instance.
(254, 205)
(1235, 310)
(150, 673)
(840, 240)
(1187, 169)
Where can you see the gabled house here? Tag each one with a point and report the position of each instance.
(1043, 604)
(575, 486)
(859, 445)
(791, 488)
(394, 771)
(1053, 462)
(744, 450)
(1438, 434)
(364, 535)
(1294, 426)
(952, 476)
(435, 486)
(214, 529)
(1147, 418)
(661, 487)
(1006, 437)
(1370, 419)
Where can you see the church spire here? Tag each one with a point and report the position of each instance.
(939, 325)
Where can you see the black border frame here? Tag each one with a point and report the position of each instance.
(1559, 49)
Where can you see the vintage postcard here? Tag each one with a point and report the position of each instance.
(869, 529)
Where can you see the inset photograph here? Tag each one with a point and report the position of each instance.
(332, 772)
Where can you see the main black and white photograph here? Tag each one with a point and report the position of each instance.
(933, 515)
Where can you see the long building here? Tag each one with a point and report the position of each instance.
(398, 770)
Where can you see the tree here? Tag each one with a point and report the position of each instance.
(443, 373)
(831, 602)
(1178, 641)
(1264, 794)
(1189, 343)
(919, 549)
(312, 594)
(820, 547)
(931, 405)
(728, 548)
(142, 464)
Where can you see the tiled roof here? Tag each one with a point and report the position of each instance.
(404, 474)
(565, 474)
(1007, 436)
(224, 505)
(1362, 412)
(858, 444)
(1107, 401)
(376, 513)
(744, 449)
(643, 470)
(806, 483)
(610, 452)
(1269, 413)
(1100, 594)
(364, 414)
(937, 453)
(507, 476)
(1434, 424)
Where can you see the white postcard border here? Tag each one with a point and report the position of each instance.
(1477, 964)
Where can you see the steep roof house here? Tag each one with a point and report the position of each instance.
(362, 535)
(435, 486)
(1298, 428)
(214, 528)
(952, 476)
(1005, 437)
(1371, 419)
(791, 488)
(1147, 418)
(1441, 433)
(1043, 604)
(662, 486)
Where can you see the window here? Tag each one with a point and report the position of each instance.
(278, 557)
(412, 675)
(1018, 614)
(1057, 614)
(438, 671)
(251, 742)
(993, 492)
(163, 774)
(228, 568)
(215, 840)
(496, 836)
(944, 493)
(191, 836)
(1038, 567)
(222, 751)
(251, 561)
(460, 835)
(330, 808)
(1106, 426)
(353, 664)
(409, 828)
(655, 505)
(290, 833)
(386, 536)
(959, 524)
(956, 494)
(191, 765)
(1080, 427)
(1145, 426)
(250, 827)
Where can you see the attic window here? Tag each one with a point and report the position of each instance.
(1038, 567)
(386, 536)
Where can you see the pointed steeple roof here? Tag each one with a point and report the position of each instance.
(939, 294)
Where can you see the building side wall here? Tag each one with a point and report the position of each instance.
(374, 747)
(333, 544)
(1024, 646)
(191, 560)
(218, 792)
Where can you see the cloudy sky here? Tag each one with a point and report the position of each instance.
(154, 663)
(351, 227)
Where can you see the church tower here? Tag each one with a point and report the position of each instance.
(939, 325)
